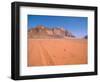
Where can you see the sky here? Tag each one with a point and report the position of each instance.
(76, 25)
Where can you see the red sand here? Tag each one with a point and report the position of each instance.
(47, 52)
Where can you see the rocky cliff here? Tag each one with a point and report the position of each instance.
(85, 37)
(41, 31)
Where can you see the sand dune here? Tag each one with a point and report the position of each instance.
(49, 52)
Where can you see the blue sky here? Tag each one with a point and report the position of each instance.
(76, 25)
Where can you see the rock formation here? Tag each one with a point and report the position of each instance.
(85, 37)
(41, 31)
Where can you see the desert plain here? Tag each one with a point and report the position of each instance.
(51, 52)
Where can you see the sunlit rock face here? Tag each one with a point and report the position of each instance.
(41, 31)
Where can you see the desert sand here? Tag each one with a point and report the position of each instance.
(50, 52)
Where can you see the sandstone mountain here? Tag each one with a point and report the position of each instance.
(41, 31)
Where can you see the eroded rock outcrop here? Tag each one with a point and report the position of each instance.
(41, 31)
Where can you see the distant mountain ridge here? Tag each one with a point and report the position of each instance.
(85, 37)
(41, 31)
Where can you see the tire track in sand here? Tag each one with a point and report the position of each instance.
(46, 57)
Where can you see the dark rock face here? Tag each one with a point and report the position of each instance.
(86, 37)
(41, 31)
(69, 34)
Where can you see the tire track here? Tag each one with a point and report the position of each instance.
(47, 57)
